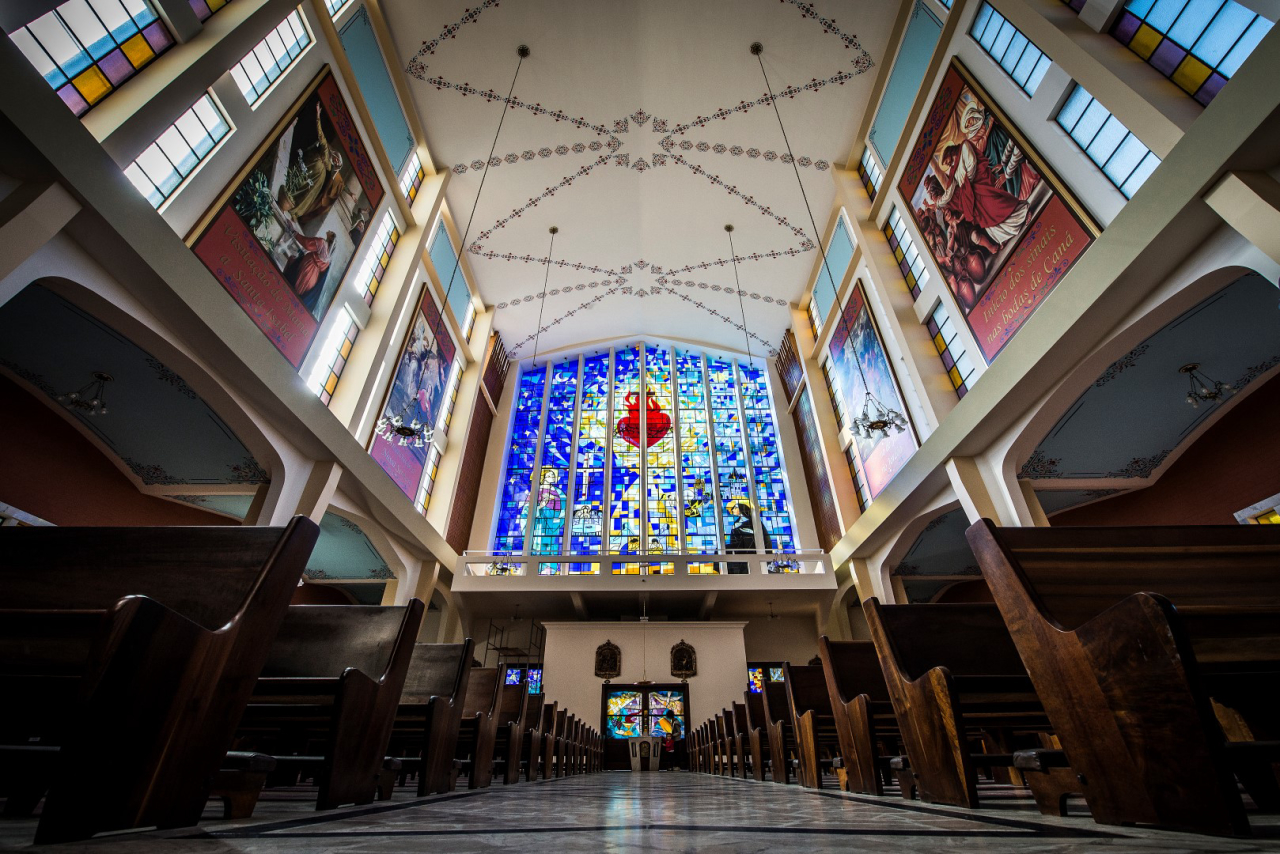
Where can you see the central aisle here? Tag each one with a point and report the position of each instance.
(624, 812)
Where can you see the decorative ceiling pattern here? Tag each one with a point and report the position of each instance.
(344, 552)
(156, 424)
(1135, 415)
(639, 129)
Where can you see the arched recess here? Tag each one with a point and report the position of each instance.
(345, 536)
(893, 553)
(182, 378)
(1122, 359)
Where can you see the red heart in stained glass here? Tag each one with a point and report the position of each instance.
(657, 422)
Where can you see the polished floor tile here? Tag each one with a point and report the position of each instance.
(623, 812)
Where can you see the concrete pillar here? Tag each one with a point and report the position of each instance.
(1249, 202)
(317, 494)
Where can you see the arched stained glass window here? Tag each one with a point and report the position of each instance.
(643, 450)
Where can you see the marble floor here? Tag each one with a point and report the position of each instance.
(624, 812)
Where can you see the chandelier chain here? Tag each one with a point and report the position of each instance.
(741, 306)
(543, 303)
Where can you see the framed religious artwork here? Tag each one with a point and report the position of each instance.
(282, 235)
(416, 395)
(860, 366)
(1000, 225)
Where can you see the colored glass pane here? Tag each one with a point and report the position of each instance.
(1012, 51)
(271, 57)
(660, 723)
(161, 168)
(661, 504)
(775, 674)
(513, 510)
(587, 527)
(730, 458)
(698, 507)
(624, 713)
(535, 680)
(1117, 152)
(755, 679)
(869, 172)
(514, 676)
(551, 505)
(766, 463)
(624, 472)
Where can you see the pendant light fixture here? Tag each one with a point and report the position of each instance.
(1203, 388)
(553, 231)
(90, 398)
(875, 419)
(400, 428)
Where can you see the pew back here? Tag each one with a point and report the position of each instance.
(325, 640)
(437, 670)
(976, 642)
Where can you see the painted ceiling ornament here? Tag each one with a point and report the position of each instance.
(608, 661)
(684, 661)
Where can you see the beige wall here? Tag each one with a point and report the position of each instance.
(569, 678)
(793, 639)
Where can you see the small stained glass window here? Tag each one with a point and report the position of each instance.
(411, 177)
(1198, 44)
(335, 7)
(165, 164)
(905, 253)
(442, 429)
(85, 49)
(204, 9)
(755, 679)
(624, 716)
(846, 423)
(376, 259)
(1125, 161)
(336, 349)
(946, 340)
(1012, 51)
(869, 172)
(515, 676)
(271, 57)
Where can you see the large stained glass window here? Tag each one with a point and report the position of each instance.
(630, 712)
(642, 450)
(662, 724)
(514, 508)
(624, 714)
(586, 534)
(551, 502)
(624, 488)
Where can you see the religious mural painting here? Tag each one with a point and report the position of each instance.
(999, 224)
(855, 344)
(281, 237)
(417, 394)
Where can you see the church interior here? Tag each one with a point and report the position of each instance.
(891, 371)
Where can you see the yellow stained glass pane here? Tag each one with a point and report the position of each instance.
(92, 84)
(897, 254)
(955, 377)
(1145, 41)
(1271, 517)
(215, 5)
(373, 287)
(138, 51)
(346, 349)
(939, 343)
(1190, 74)
(332, 383)
(386, 258)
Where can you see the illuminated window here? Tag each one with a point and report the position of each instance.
(1198, 44)
(643, 450)
(411, 177)
(1271, 517)
(869, 172)
(162, 167)
(204, 9)
(1013, 51)
(1125, 161)
(336, 349)
(376, 259)
(449, 271)
(86, 48)
(335, 6)
(272, 57)
(946, 340)
(470, 323)
(831, 273)
(442, 430)
(905, 253)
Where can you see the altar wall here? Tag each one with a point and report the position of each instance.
(568, 675)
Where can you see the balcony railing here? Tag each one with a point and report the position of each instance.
(801, 562)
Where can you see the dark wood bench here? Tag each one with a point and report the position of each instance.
(862, 709)
(782, 739)
(757, 733)
(128, 655)
(529, 748)
(724, 747)
(326, 701)
(430, 714)
(1157, 654)
(478, 731)
(552, 733)
(740, 739)
(954, 677)
(513, 723)
(814, 724)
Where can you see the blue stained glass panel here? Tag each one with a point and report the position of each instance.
(513, 511)
(771, 488)
(586, 533)
(514, 675)
(535, 680)
(624, 486)
(663, 516)
(551, 506)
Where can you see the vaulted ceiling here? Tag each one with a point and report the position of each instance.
(640, 128)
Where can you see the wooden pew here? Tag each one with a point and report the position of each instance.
(561, 732)
(513, 724)
(954, 675)
(333, 680)
(740, 739)
(757, 733)
(128, 655)
(782, 740)
(862, 709)
(814, 724)
(478, 730)
(551, 736)
(531, 745)
(724, 753)
(430, 713)
(1157, 654)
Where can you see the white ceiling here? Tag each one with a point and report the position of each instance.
(664, 135)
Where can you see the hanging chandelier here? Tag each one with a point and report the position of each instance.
(1203, 388)
(876, 419)
(90, 399)
(407, 434)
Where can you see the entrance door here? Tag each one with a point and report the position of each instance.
(632, 710)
